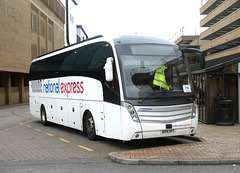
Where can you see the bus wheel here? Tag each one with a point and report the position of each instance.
(44, 116)
(89, 126)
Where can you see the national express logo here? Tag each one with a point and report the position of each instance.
(57, 87)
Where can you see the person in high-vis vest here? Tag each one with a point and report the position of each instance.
(159, 78)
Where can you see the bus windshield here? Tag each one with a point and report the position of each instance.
(152, 69)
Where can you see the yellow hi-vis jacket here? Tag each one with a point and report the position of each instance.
(159, 78)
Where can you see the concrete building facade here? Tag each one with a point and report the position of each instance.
(220, 43)
(222, 49)
(28, 28)
(223, 33)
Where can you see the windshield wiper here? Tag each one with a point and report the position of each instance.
(184, 97)
(147, 96)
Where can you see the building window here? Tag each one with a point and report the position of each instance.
(58, 8)
(13, 80)
(33, 22)
(50, 29)
(45, 1)
(26, 80)
(33, 51)
(1, 85)
(52, 4)
(43, 51)
(43, 30)
(62, 11)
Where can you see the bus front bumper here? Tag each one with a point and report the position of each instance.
(165, 132)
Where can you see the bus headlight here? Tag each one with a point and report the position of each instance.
(194, 109)
(131, 111)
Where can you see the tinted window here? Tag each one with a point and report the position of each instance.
(81, 61)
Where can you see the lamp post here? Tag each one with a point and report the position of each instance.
(67, 21)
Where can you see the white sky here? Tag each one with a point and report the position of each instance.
(157, 18)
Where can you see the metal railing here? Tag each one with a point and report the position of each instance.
(186, 31)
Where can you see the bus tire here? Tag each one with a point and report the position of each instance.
(44, 116)
(89, 127)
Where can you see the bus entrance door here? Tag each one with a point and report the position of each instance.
(100, 119)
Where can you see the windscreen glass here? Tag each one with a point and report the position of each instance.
(148, 70)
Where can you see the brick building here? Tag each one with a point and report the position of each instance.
(28, 28)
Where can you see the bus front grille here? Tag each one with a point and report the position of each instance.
(164, 114)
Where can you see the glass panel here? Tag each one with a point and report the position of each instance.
(90, 58)
(216, 93)
(203, 97)
(231, 92)
(224, 86)
(151, 69)
(42, 27)
(200, 90)
(33, 22)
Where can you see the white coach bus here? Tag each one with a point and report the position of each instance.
(104, 87)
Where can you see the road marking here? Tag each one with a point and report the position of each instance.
(49, 134)
(88, 149)
(38, 130)
(64, 140)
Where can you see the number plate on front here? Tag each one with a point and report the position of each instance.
(168, 131)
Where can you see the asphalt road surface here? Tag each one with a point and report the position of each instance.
(28, 146)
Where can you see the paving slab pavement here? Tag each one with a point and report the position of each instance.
(217, 145)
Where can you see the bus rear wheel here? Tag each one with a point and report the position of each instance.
(44, 116)
(89, 127)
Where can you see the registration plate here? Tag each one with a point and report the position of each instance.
(168, 131)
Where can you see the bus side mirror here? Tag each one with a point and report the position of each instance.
(109, 69)
(201, 59)
(200, 56)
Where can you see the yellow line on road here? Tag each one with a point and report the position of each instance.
(88, 149)
(64, 140)
(49, 134)
(38, 130)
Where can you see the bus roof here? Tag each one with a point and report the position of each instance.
(124, 39)
(136, 39)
